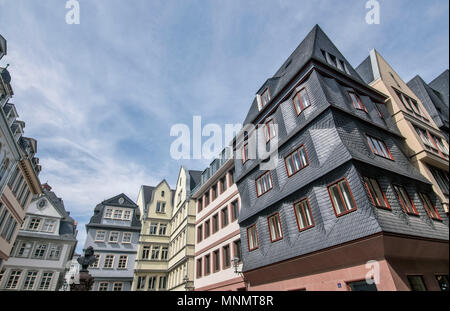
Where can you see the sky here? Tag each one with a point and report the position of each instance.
(100, 97)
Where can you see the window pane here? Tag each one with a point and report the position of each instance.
(347, 196)
(338, 204)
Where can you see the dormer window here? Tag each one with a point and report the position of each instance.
(356, 101)
(269, 130)
(301, 101)
(263, 99)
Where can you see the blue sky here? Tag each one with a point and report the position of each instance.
(100, 97)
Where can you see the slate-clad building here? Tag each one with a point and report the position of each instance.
(343, 192)
(113, 232)
(44, 246)
(434, 97)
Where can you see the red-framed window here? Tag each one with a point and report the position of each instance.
(341, 197)
(405, 201)
(244, 153)
(429, 206)
(443, 151)
(234, 210)
(252, 238)
(275, 230)
(378, 147)
(215, 223)
(357, 103)
(199, 267)
(224, 216)
(226, 256)
(200, 205)
(303, 215)
(296, 161)
(207, 264)
(269, 130)
(216, 260)
(376, 193)
(379, 111)
(404, 100)
(301, 101)
(207, 226)
(263, 183)
(237, 249)
(265, 97)
(199, 233)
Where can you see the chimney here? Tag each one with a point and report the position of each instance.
(46, 187)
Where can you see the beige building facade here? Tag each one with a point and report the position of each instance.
(425, 146)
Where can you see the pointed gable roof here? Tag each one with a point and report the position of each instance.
(120, 200)
(441, 84)
(310, 48)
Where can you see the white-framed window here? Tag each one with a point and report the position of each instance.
(54, 252)
(140, 284)
(269, 130)
(252, 237)
(117, 213)
(145, 252)
(114, 237)
(100, 235)
(164, 252)
(126, 237)
(162, 282)
(152, 283)
(13, 279)
(34, 224)
(49, 225)
(30, 280)
(153, 228)
(39, 251)
(301, 101)
(109, 262)
(108, 213)
(117, 287)
(126, 214)
(46, 280)
(123, 262)
(24, 249)
(263, 183)
(161, 207)
(162, 229)
(155, 252)
(96, 263)
(103, 286)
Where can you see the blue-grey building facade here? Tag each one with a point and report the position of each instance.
(113, 232)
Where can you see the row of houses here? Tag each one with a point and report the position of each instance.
(37, 234)
(359, 184)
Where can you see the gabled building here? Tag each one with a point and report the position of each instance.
(182, 233)
(343, 196)
(19, 168)
(435, 98)
(217, 240)
(113, 232)
(425, 144)
(43, 248)
(152, 261)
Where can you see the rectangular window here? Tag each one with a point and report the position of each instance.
(54, 252)
(30, 280)
(117, 287)
(244, 153)
(117, 214)
(440, 176)
(23, 203)
(237, 249)
(140, 284)
(162, 229)
(34, 224)
(152, 283)
(127, 215)
(164, 253)
(341, 197)
(199, 233)
(39, 251)
(265, 97)
(296, 161)
(103, 286)
(96, 263)
(417, 283)
(123, 262)
(226, 256)
(13, 280)
(252, 237)
(46, 281)
(215, 223)
(275, 227)
(145, 252)
(216, 261)
(161, 207)
(405, 200)
(231, 179)
(404, 100)
(17, 186)
(13, 177)
(443, 282)
(302, 211)
(359, 286)
(11, 231)
(109, 262)
(207, 198)
(199, 268)
(301, 101)
(7, 226)
(224, 216)
(357, 101)
(207, 264)
(263, 183)
(153, 228)
(162, 282)
(100, 236)
(379, 148)
(114, 237)
(213, 192)
(24, 249)
(429, 206)
(223, 184)
(376, 194)
(234, 210)
(49, 225)
(126, 237)
(108, 214)
(200, 205)
(269, 130)
(440, 145)
(207, 228)
(155, 252)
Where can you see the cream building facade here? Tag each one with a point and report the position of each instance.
(151, 266)
(426, 146)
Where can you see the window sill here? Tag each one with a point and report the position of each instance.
(306, 228)
(346, 212)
